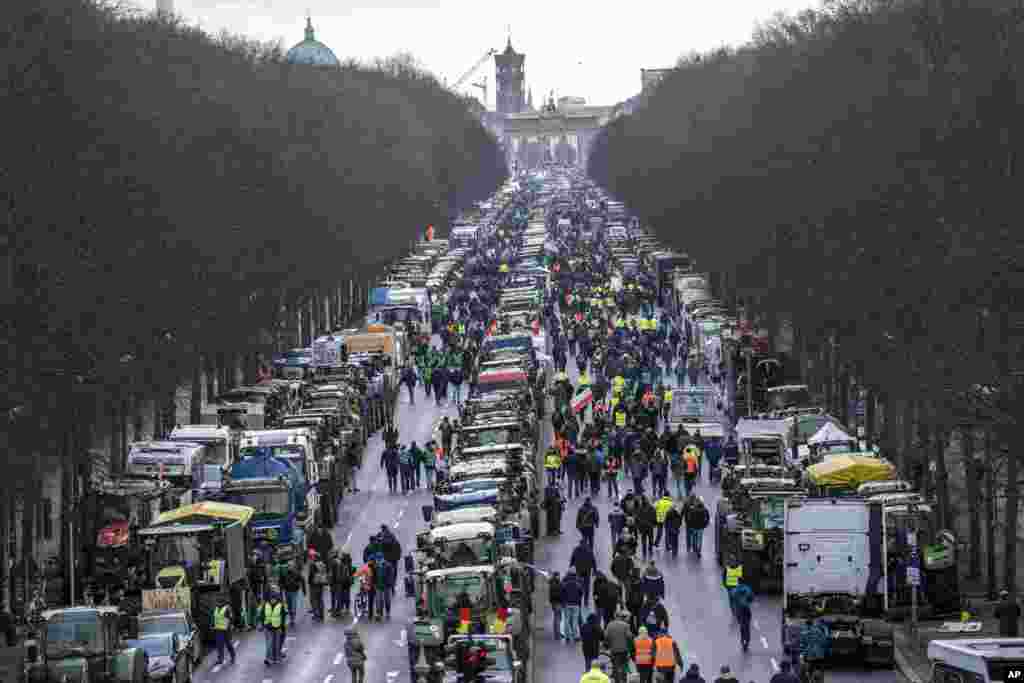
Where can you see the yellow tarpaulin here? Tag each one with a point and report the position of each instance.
(208, 509)
(850, 470)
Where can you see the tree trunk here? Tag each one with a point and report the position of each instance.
(158, 427)
(942, 478)
(122, 435)
(195, 407)
(844, 396)
(1010, 525)
(972, 475)
(990, 515)
(923, 454)
(869, 417)
(827, 356)
(210, 371)
(908, 436)
(138, 423)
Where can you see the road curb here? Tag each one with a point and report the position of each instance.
(906, 668)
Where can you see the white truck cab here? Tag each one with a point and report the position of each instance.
(977, 660)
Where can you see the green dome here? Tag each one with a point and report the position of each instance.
(311, 51)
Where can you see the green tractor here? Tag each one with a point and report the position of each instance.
(83, 645)
(484, 591)
(199, 554)
(748, 526)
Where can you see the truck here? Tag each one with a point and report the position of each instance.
(169, 460)
(115, 559)
(197, 555)
(380, 341)
(83, 645)
(221, 451)
(835, 572)
(397, 307)
(272, 487)
(296, 447)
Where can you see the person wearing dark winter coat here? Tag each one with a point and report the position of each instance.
(587, 521)
(727, 676)
(622, 568)
(608, 599)
(592, 635)
(584, 562)
(572, 598)
(646, 520)
(697, 520)
(673, 525)
(616, 522)
(653, 582)
(654, 617)
(635, 599)
(555, 598)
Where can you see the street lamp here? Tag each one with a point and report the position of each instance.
(422, 668)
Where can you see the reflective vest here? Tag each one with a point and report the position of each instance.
(619, 381)
(552, 461)
(733, 576)
(691, 463)
(498, 626)
(664, 653)
(668, 397)
(503, 268)
(220, 618)
(644, 651)
(273, 615)
(584, 380)
(620, 419)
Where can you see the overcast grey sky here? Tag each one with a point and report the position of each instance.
(593, 50)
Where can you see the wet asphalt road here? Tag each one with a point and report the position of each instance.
(699, 615)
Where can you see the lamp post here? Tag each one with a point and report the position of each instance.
(422, 668)
(913, 570)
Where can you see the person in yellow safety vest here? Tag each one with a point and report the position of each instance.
(222, 618)
(620, 415)
(503, 268)
(667, 657)
(553, 465)
(731, 577)
(584, 380)
(666, 407)
(643, 646)
(661, 509)
(273, 617)
(597, 672)
(618, 384)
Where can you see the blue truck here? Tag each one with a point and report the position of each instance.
(273, 488)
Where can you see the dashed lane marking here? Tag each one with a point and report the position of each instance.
(338, 657)
(756, 625)
(268, 680)
(216, 668)
(775, 664)
(764, 641)
(328, 678)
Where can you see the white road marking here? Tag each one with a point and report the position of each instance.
(764, 641)
(289, 638)
(403, 639)
(268, 680)
(756, 625)
(236, 643)
(338, 657)
(216, 668)
(775, 664)
(392, 675)
(328, 678)
(348, 539)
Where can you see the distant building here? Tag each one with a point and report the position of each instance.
(311, 51)
(510, 97)
(566, 103)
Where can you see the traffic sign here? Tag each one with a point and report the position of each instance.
(913, 576)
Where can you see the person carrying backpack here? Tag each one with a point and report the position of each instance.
(319, 578)
(342, 576)
(697, 520)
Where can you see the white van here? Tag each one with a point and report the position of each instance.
(977, 660)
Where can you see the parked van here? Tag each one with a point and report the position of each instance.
(977, 660)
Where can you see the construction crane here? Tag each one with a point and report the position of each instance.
(480, 62)
(482, 85)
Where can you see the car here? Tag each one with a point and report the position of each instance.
(176, 621)
(168, 660)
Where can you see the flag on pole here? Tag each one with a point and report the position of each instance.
(582, 399)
